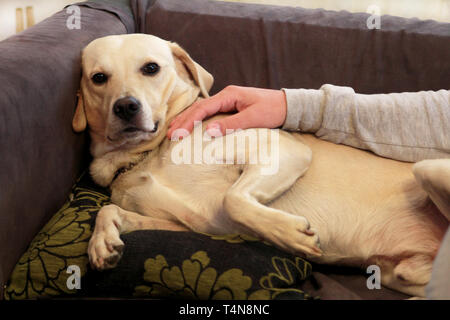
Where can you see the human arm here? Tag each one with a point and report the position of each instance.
(409, 126)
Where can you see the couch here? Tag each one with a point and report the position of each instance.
(242, 44)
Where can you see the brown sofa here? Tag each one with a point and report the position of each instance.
(243, 44)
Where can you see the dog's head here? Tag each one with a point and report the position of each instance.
(131, 86)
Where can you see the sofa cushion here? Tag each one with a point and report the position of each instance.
(155, 264)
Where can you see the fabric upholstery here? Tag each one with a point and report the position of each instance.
(284, 47)
(41, 155)
(155, 264)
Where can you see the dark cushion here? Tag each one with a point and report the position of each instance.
(155, 264)
(40, 154)
(275, 47)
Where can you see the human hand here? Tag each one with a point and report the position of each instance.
(256, 108)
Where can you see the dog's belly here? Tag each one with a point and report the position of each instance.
(362, 205)
(200, 193)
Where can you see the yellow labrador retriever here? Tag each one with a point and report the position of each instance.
(366, 209)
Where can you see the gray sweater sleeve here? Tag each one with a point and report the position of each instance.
(409, 126)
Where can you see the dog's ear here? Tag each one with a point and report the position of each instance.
(202, 77)
(79, 121)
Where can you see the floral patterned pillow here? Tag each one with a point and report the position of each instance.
(155, 263)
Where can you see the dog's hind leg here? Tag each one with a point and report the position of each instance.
(105, 246)
(434, 178)
(409, 274)
(245, 202)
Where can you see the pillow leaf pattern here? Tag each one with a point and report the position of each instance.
(194, 280)
(282, 282)
(41, 271)
(197, 279)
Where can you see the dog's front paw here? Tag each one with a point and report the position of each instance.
(314, 241)
(301, 239)
(105, 250)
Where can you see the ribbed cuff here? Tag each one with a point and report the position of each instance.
(304, 109)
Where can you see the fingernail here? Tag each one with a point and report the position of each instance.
(213, 129)
(179, 134)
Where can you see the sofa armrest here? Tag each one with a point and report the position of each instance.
(40, 154)
(275, 47)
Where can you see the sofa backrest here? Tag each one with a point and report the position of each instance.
(275, 47)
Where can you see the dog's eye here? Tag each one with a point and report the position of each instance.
(99, 78)
(150, 68)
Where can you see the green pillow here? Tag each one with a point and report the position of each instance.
(42, 269)
(155, 263)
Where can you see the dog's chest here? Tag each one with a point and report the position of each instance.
(155, 187)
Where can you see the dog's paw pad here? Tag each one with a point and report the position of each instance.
(104, 251)
(302, 224)
(114, 245)
(112, 260)
(300, 238)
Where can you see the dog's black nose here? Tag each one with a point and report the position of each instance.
(126, 108)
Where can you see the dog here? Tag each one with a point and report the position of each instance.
(366, 209)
